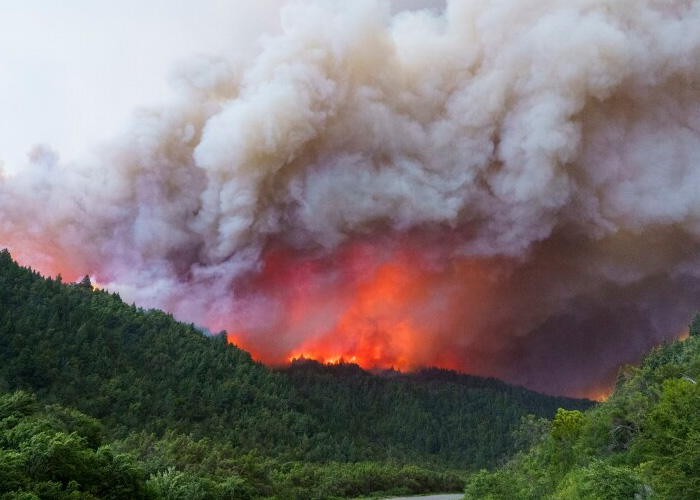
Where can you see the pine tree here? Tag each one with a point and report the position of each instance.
(694, 327)
(85, 283)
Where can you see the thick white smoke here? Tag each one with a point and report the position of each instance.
(555, 141)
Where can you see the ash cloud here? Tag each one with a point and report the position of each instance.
(555, 145)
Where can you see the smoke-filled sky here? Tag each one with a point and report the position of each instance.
(507, 188)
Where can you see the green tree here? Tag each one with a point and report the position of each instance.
(567, 425)
(601, 481)
(85, 283)
(694, 327)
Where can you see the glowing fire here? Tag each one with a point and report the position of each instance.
(334, 360)
(365, 314)
(374, 330)
(599, 394)
(383, 304)
(376, 305)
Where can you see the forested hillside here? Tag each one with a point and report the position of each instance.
(56, 453)
(642, 444)
(136, 369)
(175, 406)
(444, 417)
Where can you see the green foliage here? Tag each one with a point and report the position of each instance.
(567, 425)
(601, 481)
(485, 485)
(46, 455)
(532, 431)
(41, 457)
(444, 417)
(694, 327)
(642, 444)
(85, 283)
(670, 443)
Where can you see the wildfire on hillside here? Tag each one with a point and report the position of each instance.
(501, 188)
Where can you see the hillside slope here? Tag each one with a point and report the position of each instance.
(441, 415)
(140, 370)
(50, 452)
(642, 444)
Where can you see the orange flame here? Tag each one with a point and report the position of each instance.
(377, 305)
(401, 303)
(375, 330)
(600, 395)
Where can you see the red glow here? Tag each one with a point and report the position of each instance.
(375, 330)
(599, 394)
(50, 263)
(378, 305)
(405, 302)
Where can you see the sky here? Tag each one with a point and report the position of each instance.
(73, 72)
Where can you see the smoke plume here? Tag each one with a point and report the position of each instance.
(507, 188)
